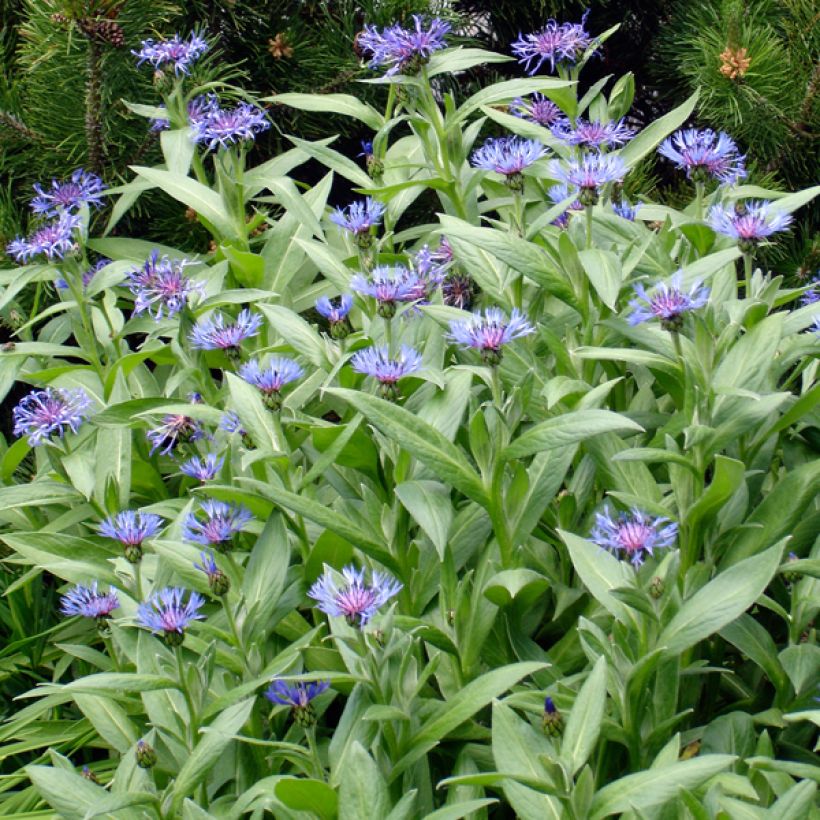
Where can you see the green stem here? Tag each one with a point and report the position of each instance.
(35, 307)
(747, 274)
(699, 190)
(77, 294)
(138, 580)
(588, 211)
(388, 335)
(237, 635)
(496, 388)
(310, 736)
(109, 648)
(189, 701)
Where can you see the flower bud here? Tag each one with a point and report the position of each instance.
(553, 722)
(146, 755)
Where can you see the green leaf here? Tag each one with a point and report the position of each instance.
(566, 430)
(37, 494)
(334, 160)
(645, 790)
(110, 720)
(802, 665)
(214, 741)
(504, 92)
(177, 150)
(510, 584)
(287, 195)
(461, 59)
(728, 476)
(345, 104)
(463, 705)
(465, 808)
(584, 722)
(720, 601)
(757, 644)
(265, 572)
(603, 268)
(420, 439)
(308, 795)
(362, 791)
(429, 504)
(297, 333)
(255, 417)
(651, 136)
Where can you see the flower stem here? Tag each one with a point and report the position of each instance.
(237, 635)
(699, 190)
(588, 210)
(189, 701)
(747, 274)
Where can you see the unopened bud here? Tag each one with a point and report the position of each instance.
(146, 755)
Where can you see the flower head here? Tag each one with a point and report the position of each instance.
(704, 154)
(812, 295)
(164, 612)
(131, 528)
(52, 410)
(226, 126)
(508, 156)
(298, 696)
(387, 286)
(748, 223)
(181, 53)
(202, 469)
(633, 535)
(222, 522)
(537, 108)
(358, 218)
(403, 51)
(89, 602)
(87, 277)
(626, 210)
(231, 423)
(336, 314)
(458, 290)
(552, 720)
(198, 109)
(54, 239)
(270, 379)
(558, 193)
(667, 303)
(83, 188)
(160, 287)
(593, 133)
(589, 174)
(176, 428)
(219, 583)
(213, 334)
(354, 599)
(490, 331)
(556, 43)
(386, 369)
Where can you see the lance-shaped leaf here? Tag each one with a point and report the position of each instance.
(584, 722)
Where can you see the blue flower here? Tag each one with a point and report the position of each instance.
(222, 522)
(367, 149)
(555, 43)
(359, 217)
(589, 174)
(198, 109)
(131, 527)
(537, 109)
(387, 286)
(507, 155)
(213, 334)
(626, 210)
(703, 154)
(298, 696)
(403, 51)
(89, 602)
(667, 303)
(458, 290)
(748, 223)
(83, 188)
(335, 311)
(812, 295)
(176, 428)
(231, 423)
(160, 287)
(54, 240)
(52, 410)
(278, 372)
(490, 331)
(87, 277)
(202, 469)
(164, 612)
(558, 193)
(226, 126)
(182, 53)
(219, 583)
(593, 133)
(633, 535)
(354, 599)
(386, 369)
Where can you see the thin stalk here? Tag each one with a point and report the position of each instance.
(699, 190)
(388, 335)
(109, 648)
(85, 320)
(35, 306)
(192, 724)
(747, 274)
(138, 580)
(237, 635)
(310, 736)
(588, 211)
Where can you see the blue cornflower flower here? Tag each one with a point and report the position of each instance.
(88, 275)
(589, 174)
(458, 290)
(593, 133)
(626, 210)
(367, 149)
(387, 286)
(354, 599)
(336, 312)
(555, 43)
(197, 108)
(812, 295)
(223, 521)
(490, 331)
(378, 363)
(131, 528)
(89, 602)
(278, 372)
(83, 187)
(219, 583)
(558, 193)
(231, 423)
(226, 126)
(748, 223)
(703, 154)
(182, 53)
(403, 51)
(667, 303)
(633, 535)
(202, 469)
(52, 410)
(55, 239)
(160, 286)
(508, 156)
(298, 696)
(537, 108)
(213, 334)
(176, 428)
(164, 612)
(358, 218)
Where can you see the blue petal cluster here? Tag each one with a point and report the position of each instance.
(54, 240)
(704, 154)
(213, 334)
(222, 522)
(131, 527)
(537, 108)
(359, 217)
(556, 43)
(89, 602)
(668, 302)
(507, 155)
(491, 330)
(378, 363)
(750, 223)
(166, 612)
(401, 50)
(202, 469)
(633, 535)
(182, 54)
(160, 287)
(224, 127)
(52, 410)
(83, 188)
(355, 599)
(593, 133)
